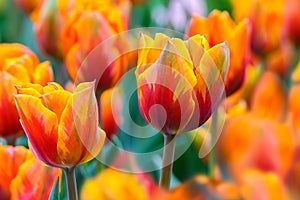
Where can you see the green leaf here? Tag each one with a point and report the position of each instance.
(55, 191)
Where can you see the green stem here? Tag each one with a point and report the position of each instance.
(212, 154)
(71, 183)
(167, 162)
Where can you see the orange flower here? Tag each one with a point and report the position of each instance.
(266, 18)
(48, 19)
(269, 99)
(22, 176)
(171, 75)
(291, 24)
(62, 127)
(249, 136)
(256, 184)
(203, 188)
(294, 108)
(81, 43)
(18, 65)
(111, 111)
(117, 185)
(219, 27)
(102, 19)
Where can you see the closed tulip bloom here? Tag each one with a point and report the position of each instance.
(79, 44)
(266, 19)
(62, 127)
(179, 82)
(24, 177)
(219, 27)
(18, 65)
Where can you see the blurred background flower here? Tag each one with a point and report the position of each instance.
(18, 65)
(24, 177)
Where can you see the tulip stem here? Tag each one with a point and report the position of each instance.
(167, 162)
(212, 154)
(71, 183)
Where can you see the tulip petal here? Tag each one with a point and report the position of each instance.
(85, 111)
(69, 145)
(212, 69)
(43, 73)
(56, 101)
(40, 125)
(9, 123)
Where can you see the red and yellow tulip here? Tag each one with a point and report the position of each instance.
(219, 27)
(18, 65)
(62, 127)
(174, 92)
(24, 177)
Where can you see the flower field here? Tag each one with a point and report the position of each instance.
(149, 99)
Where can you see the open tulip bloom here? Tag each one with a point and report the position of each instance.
(62, 127)
(180, 83)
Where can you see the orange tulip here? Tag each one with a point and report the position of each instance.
(259, 185)
(111, 111)
(266, 18)
(22, 176)
(249, 136)
(291, 24)
(18, 65)
(48, 19)
(117, 185)
(171, 73)
(62, 127)
(294, 108)
(219, 27)
(263, 103)
(279, 60)
(203, 188)
(84, 42)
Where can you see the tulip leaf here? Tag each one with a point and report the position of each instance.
(54, 195)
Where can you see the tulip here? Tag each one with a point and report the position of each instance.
(249, 135)
(113, 184)
(22, 176)
(266, 19)
(263, 103)
(291, 22)
(62, 127)
(202, 187)
(184, 83)
(48, 20)
(111, 109)
(84, 42)
(294, 108)
(18, 65)
(219, 27)
(178, 86)
(256, 184)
